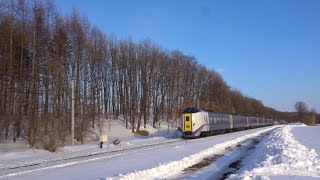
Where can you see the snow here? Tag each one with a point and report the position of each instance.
(283, 152)
(308, 136)
(19, 154)
(166, 170)
(283, 155)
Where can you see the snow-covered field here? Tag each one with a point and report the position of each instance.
(278, 152)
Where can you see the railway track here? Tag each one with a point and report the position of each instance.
(224, 164)
(40, 166)
(19, 168)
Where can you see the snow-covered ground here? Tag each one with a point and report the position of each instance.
(278, 152)
(289, 152)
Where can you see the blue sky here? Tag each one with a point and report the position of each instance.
(267, 49)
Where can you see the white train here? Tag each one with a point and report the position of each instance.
(205, 123)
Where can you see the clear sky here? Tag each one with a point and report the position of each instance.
(267, 49)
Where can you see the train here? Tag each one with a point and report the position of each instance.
(200, 123)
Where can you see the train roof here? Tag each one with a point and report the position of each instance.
(191, 110)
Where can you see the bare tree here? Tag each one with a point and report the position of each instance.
(304, 114)
(301, 107)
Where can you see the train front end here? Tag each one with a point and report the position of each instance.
(191, 126)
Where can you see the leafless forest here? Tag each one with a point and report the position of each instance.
(41, 51)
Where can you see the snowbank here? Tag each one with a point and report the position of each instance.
(280, 156)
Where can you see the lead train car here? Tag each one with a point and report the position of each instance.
(204, 123)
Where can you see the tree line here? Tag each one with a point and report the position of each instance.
(41, 52)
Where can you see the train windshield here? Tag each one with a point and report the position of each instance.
(191, 110)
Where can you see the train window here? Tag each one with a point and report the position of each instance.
(187, 118)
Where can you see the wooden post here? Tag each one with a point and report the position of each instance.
(72, 111)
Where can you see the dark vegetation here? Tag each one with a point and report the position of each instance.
(142, 132)
(116, 142)
(41, 51)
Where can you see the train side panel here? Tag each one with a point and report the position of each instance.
(219, 121)
(239, 122)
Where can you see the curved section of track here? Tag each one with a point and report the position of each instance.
(103, 163)
(229, 150)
